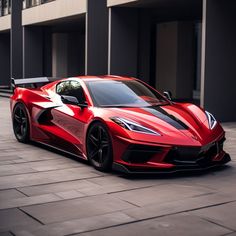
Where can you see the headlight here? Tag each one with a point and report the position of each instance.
(133, 126)
(211, 120)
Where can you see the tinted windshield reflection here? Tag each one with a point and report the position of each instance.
(123, 93)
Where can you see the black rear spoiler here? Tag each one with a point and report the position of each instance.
(32, 82)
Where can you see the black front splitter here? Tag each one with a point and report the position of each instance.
(181, 168)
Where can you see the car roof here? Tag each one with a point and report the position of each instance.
(104, 77)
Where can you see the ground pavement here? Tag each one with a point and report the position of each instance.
(47, 193)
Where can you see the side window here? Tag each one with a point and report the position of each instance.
(71, 88)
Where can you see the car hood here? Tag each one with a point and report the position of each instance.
(176, 122)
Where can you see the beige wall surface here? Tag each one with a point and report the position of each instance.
(53, 10)
(111, 3)
(5, 23)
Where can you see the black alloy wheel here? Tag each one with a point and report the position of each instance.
(20, 123)
(99, 147)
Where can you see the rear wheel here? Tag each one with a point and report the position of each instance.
(99, 147)
(20, 123)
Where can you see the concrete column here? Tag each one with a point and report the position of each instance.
(33, 51)
(175, 58)
(96, 37)
(123, 42)
(219, 57)
(16, 40)
(5, 59)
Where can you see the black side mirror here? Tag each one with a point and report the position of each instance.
(69, 100)
(73, 101)
(168, 95)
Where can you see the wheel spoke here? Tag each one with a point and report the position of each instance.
(24, 120)
(94, 140)
(93, 153)
(22, 129)
(99, 134)
(17, 118)
(17, 128)
(104, 144)
(21, 113)
(100, 155)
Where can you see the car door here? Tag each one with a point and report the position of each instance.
(70, 119)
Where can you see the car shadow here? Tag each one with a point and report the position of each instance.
(59, 152)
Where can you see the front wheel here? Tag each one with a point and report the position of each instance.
(20, 123)
(99, 147)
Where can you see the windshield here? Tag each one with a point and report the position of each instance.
(123, 93)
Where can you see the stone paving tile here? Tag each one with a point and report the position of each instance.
(182, 224)
(225, 181)
(57, 187)
(75, 226)
(9, 157)
(76, 208)
(30, 167)
(7, 170)
(70, 194)
(10, 194)
(131, 181)
(160, 194)
(6, 162)
(22, 180)
(187, 204)
(13, 218)
(6, 234)
(26, 201)
(222, 215)
(231, 234)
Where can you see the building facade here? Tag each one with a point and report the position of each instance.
(187, 47)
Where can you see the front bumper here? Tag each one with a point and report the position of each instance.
(174, 169)
(139, 158)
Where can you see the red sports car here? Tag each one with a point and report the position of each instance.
(116, 122)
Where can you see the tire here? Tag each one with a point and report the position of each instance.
(20, 122)
(99, 147)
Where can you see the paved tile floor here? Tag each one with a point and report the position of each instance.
(47, 193)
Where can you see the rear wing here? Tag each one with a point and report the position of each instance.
(32, 82)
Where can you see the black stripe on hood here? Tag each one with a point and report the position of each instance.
(170, 119)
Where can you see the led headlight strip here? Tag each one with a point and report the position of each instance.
(211, 120)
(133, 126)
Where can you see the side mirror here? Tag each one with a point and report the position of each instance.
(168, 95)
(69, 100)
(73, 101)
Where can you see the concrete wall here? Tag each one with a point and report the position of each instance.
(5, 59)
(68, 54)
(185, 61)
(166, 54)
(145, 60)
(175, 58)
(219, 77)
(53, 10)
(47, 51)
(5, 23)
(33, 51)
(118, 2)
(76, 54)
(59, 55)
